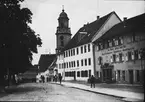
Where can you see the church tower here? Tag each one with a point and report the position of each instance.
(63, 33)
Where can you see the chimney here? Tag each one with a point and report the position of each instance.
(124, 21)
(98, 17)
(124, 18)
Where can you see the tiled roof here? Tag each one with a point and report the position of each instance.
(136, 23)
(91, 30)
(45, 61)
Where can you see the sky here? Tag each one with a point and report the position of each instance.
(80, 12)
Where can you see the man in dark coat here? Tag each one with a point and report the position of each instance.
(60, 78)
(92, 81)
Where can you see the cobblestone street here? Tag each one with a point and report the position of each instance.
(53, 93)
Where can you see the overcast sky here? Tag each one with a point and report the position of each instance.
(46, 13)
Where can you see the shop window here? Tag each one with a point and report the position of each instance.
(86, 73)
(78, 73)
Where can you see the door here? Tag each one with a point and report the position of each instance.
(131, 76)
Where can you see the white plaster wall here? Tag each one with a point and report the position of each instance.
(113, 20)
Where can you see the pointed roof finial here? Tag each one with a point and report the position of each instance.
(63, 8)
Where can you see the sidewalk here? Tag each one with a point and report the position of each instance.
(125, 95)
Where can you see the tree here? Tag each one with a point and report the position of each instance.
(18, 41)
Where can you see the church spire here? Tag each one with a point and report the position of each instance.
(63, 8)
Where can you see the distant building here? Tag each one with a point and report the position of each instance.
(75, 60)
(45, 61)
(118, 52)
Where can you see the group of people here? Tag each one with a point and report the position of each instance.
(59, 77)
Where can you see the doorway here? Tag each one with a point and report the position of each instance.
(131, 76)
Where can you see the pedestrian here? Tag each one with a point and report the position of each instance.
(92, 81)
(60, 78)
(42, 78)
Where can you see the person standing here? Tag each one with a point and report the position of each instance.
(92, 81)
(60, 78)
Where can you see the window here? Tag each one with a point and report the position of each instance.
(73, 51)
(114, 58)
(78, 73)
(74, 64)
(120, 57)
(111, 59)
(120, 40)
(88, 47)
(67, 64)
(129, 55)
(136, 54)
(89, 61)
(123, 75)
(81, 49)
(116, 42)
(99, 60)
(117, 58)
(85, 62)
(126, 56)
(132, 55)
(110, 43)
(77, 51)
(86, 73)
(77, 63)
(81, 62)
(85, 50)
(69, 52)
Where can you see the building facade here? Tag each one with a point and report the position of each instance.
(76, 60)
(118, 53)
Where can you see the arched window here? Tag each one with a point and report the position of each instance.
(62, 40)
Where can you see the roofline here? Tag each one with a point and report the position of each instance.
(113, 12)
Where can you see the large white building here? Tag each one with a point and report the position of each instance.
(76, 56)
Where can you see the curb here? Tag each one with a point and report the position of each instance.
(126, 99)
